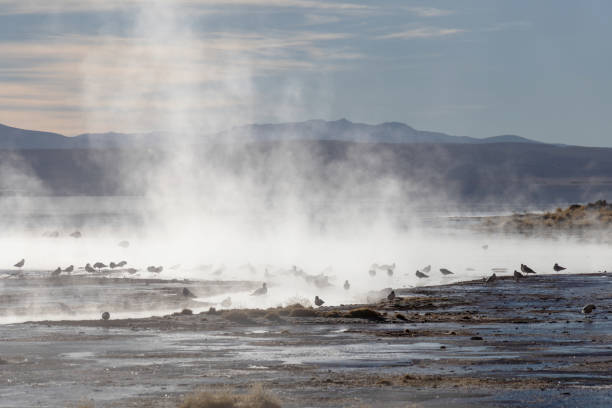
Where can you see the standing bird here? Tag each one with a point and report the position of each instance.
(20, 264)
(347, 285)
(56, 272)
(526, 269)
(89, 269)
(518, 275)
(122, 264)
(69, 269)
(588, 308)
(427, 269)
(112, 265)
(391, 296)
(99, 265)
(558, 268)
(491, 279)
(445, 271)
(319, 301)
(261, 291)
(421, 275)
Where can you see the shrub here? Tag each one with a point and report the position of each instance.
(256, 398)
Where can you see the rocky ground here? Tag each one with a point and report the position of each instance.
(507, 343)
(592, 217)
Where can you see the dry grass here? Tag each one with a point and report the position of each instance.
(257, 312)
(273, 316)
(365, 313)
(256, 398)
(304, 312)
(287, 310)
(237, 316)
(597, 214)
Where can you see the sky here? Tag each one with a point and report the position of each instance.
(539, 69)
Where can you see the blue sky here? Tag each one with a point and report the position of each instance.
(540, 69)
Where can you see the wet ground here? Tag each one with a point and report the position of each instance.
(505, 344)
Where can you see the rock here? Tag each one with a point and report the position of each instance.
(188, 293)
(588, 308)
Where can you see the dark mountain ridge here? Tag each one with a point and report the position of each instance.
(311, 130)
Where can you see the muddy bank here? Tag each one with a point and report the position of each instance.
(504, 344)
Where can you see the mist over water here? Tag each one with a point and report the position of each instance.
(216, 211)
(234, 245)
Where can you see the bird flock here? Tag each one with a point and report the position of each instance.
(320, 281)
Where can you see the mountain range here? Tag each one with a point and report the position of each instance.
(311, 130)
(319, 157)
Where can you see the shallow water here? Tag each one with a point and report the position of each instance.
(115, 364)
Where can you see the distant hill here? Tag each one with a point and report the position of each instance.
(426, 173)
(13, 138)
(311, 130)
(347, 131)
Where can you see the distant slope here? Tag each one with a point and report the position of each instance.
(344, 130)
(506, 139)
(428, 173)
(13, 138)
(311, 130)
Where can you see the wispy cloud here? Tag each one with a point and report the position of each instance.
(129, 79)
(510, 25)
(320, 19)
(423, 32)
(8, 7)
(429, 11)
